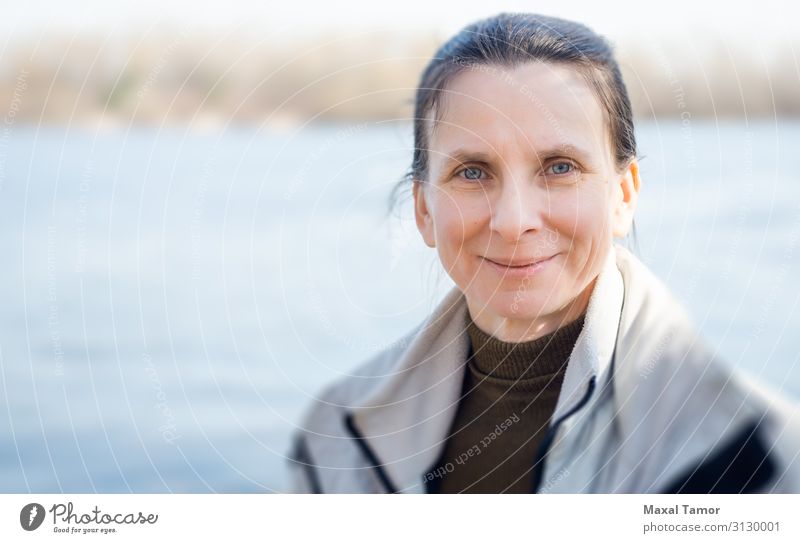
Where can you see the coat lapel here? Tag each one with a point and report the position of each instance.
(594, 347)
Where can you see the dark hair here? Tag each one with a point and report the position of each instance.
(510, 40)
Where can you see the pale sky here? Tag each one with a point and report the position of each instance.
(762, 21)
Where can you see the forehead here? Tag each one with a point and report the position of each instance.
(536, 105)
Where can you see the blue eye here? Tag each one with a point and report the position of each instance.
(471, 173)
(560, 168)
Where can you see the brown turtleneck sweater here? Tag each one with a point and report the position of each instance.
(508, 396)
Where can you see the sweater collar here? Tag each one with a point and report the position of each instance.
(510, 362)
(404, 420)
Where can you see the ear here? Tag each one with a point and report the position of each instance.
(422, 214)
(626, 195)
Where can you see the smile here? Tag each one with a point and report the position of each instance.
(522, 270)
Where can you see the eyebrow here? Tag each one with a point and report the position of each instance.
(462, 155)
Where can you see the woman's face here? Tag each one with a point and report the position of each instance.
(523, 200)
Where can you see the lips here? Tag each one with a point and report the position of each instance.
(519, 268)
(518, 262)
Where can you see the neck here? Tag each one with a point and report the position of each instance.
(520, 330)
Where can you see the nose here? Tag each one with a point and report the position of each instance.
(518, 209)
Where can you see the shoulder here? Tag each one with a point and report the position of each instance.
(320, 453)
(676, 390)
(330, 404)
(660, 350)
(386, 368)
(645, 291)
(655, 330)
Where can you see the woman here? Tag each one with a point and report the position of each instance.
(558, 363)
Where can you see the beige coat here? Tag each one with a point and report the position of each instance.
(645, 406)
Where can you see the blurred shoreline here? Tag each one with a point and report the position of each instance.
(205, 79)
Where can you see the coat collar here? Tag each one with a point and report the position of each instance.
(405, 420)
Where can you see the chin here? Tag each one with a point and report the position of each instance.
(514, 304)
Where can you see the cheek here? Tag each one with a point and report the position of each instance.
(587, 223)
(584, 217)
(457, 221)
